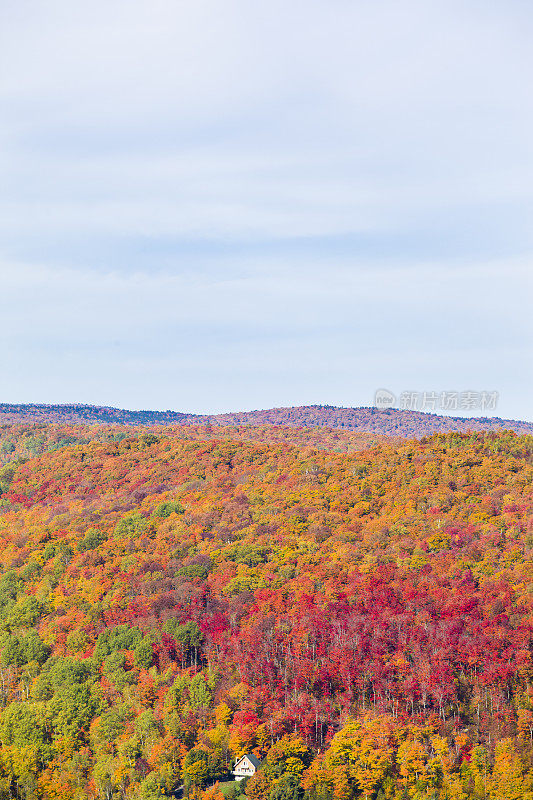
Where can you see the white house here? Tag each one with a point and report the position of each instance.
(246, 766)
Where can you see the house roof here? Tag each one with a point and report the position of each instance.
(250, 756)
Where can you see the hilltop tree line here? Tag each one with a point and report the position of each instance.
(404, 422)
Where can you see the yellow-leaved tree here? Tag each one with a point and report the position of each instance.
(359, 757)
(509, 780)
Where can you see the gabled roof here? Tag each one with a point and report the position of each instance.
(250, 756)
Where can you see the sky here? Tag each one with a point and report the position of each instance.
(215, 206)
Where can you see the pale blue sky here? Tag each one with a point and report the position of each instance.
(212, 206)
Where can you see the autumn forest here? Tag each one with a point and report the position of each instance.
(354, 610)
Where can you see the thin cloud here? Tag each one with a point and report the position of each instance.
(313, 187)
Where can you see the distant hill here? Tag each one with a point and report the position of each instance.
(388, 422)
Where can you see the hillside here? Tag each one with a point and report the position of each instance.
(382, 422)
(23, 441)
(360, 620)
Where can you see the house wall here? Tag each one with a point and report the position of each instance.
(244, 770)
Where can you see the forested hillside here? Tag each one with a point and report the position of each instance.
(356, 612)
(381, 422)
